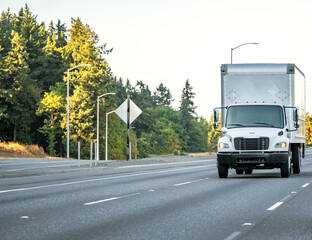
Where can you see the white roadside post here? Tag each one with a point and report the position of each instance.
(95, 153)
(78, 154)
(91, 146)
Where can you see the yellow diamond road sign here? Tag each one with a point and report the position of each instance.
(135, 111)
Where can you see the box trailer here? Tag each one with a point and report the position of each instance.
(262, 118)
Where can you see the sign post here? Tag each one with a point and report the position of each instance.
(128, 128)
(128, 112)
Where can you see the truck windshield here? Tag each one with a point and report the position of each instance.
(254, 116)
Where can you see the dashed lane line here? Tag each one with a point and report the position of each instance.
(305, 185)
(232, 236)
(276, 205)
(110, 199)
(184, 183)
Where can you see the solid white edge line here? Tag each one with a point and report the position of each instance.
(232, 236)
(305, 185)
(105, 178)
(276, 205)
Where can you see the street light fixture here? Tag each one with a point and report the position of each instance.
(98, 124)
(106, 135)
(238, 47)
(68, 70)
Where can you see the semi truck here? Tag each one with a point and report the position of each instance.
(261, 118)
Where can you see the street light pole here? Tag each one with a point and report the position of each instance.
(68, 70)
(98, 124)
(106, 135)
(238, 47)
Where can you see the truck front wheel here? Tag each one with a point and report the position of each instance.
(223, 171)
(285, 169)
(296, 157)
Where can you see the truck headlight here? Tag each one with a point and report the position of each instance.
(281, 145)
(223, 145)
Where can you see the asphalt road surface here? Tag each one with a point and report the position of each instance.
(181, 200)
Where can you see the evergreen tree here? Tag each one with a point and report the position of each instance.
(162, 96)
(187, 110)
(17, 91)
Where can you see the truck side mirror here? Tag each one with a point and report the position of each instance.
(296, 121)
(215, 119)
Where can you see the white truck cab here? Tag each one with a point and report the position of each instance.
(262, 118)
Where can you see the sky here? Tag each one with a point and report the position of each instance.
(170, 41)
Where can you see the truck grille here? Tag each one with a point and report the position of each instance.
(251, 143)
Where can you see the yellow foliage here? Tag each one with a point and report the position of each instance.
(308, 129)
(16, 148)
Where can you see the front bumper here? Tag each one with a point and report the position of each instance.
(240, 159)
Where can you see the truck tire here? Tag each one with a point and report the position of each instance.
(223, 171)
(296, 157)
(239, 171)
(285, 169)
(248, 171)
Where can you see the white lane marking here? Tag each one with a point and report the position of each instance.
(24, 217)
(184, 183)
(293, 192)
(101, 179)
(161, 164)
(232, 236)
(110, 199)
(151, 190)
(180, 184)
(305, 185)
(276, 205)
(248, 224)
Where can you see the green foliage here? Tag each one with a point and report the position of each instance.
(183, 154)
(51, 106)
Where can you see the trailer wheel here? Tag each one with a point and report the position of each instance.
(248, 171)
(296, 157)
(239, 171)
(223, 171)
(285, 169)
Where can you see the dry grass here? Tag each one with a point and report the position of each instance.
(12, 149)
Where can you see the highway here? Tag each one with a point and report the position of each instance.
(160, 201)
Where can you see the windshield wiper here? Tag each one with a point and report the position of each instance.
(235, 125)
(263, 123)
